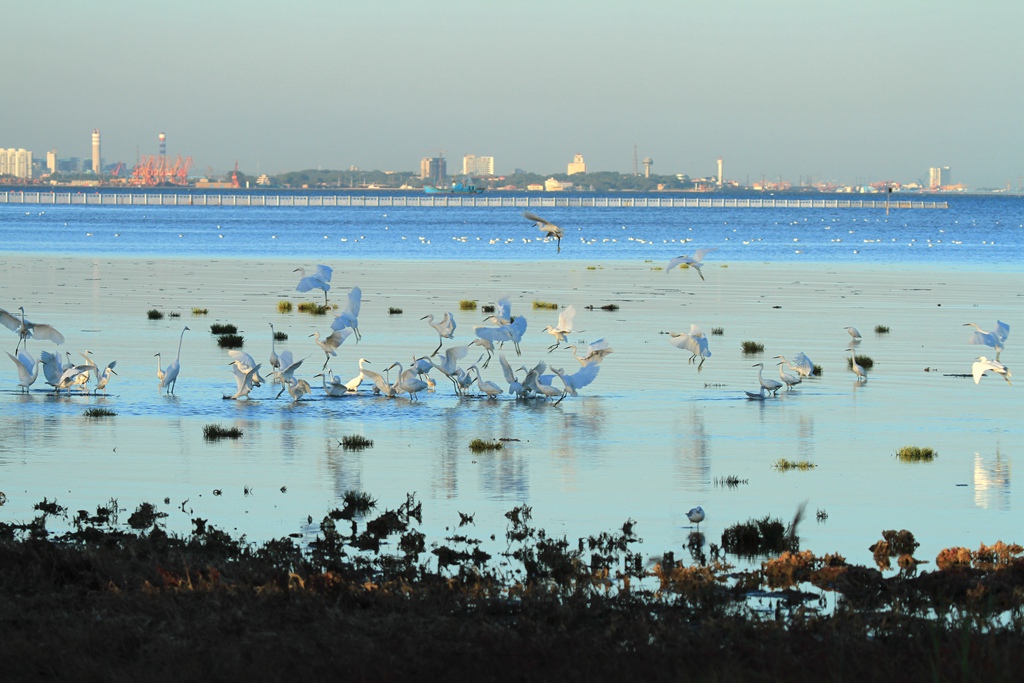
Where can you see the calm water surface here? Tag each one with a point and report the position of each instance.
(646, 441)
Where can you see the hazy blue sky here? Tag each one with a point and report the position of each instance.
(867, 90)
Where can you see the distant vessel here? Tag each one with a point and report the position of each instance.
(456, 188)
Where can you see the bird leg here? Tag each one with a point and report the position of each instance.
(440, 342)
(559, 243)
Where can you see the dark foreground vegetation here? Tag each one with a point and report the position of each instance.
(370, 600)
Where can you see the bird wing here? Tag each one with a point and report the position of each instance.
(504, 309)
(492, 334)
(1002, 331)
(454, 353)
(506, 369)
(47, 333)
(285, 358)
(700, 253)
(447, 328)
(676, 261)
(584, 376)
(311, 282)
(534, 217)
(518, 326)
(597, 345)
(338, 337)
(565, 318)
(680, 340)
(355, 299)
(978, 369)
(9, 321)
(323, 273)
(242, 359)
(22, 374)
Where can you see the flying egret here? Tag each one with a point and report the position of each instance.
(445, 329)
(995, 338)
(332, 342)
(593, 354)
(28, 369)
(350, 316)
(549, 229)
(171, 373)
(694, 261)
(800, 364)
(104, 377)
(27, 328)
(694, 341)
(696, 515)
(862, 376)
(319, 280)
(789, 380)
(983, 365)
(769, 384)
(246, 378)
(502, 312)
(564, 328)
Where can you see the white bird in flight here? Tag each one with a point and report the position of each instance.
(331, 343)
(693, 341)
(983, 365)
(695, 261)
(445, 329)
(561, 331)
(350, 316)
(27, 328)
(549, 229)
(593, 354)
(995, 338)
(319, 280)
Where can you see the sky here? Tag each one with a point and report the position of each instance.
(846, 91)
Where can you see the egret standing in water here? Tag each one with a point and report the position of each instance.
(319, 280)
(104, 377)
(171, 373)
(769, 384)
(695, 261)
(27, 328)
(862, 376)
(549, 229)
(995, 338)
(28, 369)
(800, 364)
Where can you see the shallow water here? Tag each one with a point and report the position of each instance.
(646, 441)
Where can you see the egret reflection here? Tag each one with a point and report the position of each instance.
(992, 476)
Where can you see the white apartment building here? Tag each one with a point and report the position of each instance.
(577, 165)
(938, 176)
(16, 162)
(474, 165)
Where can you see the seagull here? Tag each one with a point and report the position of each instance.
(983, 365)
(696, 515)
(694, 261)
(995, 338)
(549, 229)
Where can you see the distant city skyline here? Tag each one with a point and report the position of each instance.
(846, 92)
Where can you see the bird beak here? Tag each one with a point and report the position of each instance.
(423, 318)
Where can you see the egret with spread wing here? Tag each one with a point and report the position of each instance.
(995, 338)
(445, 329)
(27, 328)
(350, 316)
(549, 229)
(983, 365)
(694, 261)
(319, 280)
(564, 327)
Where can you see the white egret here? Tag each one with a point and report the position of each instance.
(514, 385)
(275, 360)
(336, 387)
(696, 515)
(983, 365)
(407, 382)
(549, 229)
(27, 328)
(380, 385)
(789, 380)
(350, 316)
(694, 261)
(171, 373)
(543, 387)
(564, 328)
(853, 332)
(862, 376)
(104, 377)
(486, 344)
(502, 312)
(331, 343)
(73, 376)
(995, 338)
(28, 369)
(319, 280)
(533, 377)
(769, 384)
(694, 341)
(593, 354)
(800, 364)
(449, 367)
(286, 373)
(488, 387)
(445, 329)
(159, 370)
(245, 379)
(52, 367)
(298, 388)
(244, 362)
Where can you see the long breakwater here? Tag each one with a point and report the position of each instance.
(443, 201)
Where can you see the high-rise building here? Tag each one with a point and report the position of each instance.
(939, 176)
(96, 151)
(16, 162)
(474, 165)
(51, 161)
(433, 169)
(577, 165)
(720, 163)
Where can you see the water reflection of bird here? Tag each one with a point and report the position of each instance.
(695, 261)
(696, 515)
(550, 229)
(995, 338)
(983, 365)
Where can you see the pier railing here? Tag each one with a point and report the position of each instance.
(262, 200)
